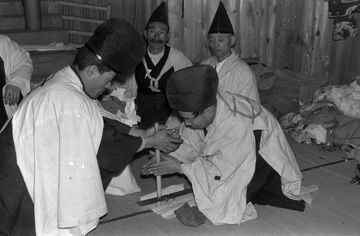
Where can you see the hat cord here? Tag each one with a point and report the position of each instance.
(236, 111)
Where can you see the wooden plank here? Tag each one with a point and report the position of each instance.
(325, 43)
(47, 62)
(176, 23)
(18, 22)
(11, 7)
(269, 48)
(193, 31)
(338, 55)
(257, 6)
(245, 27)
(285, 36)
(83, 5)
(299, 44)
(82, 19)
(262, 32)
(77, 32)
(307, 36)
(279, 30)
(44, 36)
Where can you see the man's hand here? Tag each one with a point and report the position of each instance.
(113, 105)
(11, 95)
(165, 140)
(151, 131)
(167, 165)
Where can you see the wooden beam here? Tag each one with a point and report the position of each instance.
(82, 19)
(32, 14)
(83, 5)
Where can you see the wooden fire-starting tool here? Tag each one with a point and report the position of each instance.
(158, 177)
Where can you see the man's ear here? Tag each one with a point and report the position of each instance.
(92, 71)
(145, 34)
(232, 40)
(209, 111)
(168, 36)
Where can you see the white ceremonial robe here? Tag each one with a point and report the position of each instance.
(236, 76)
(57, 132)
(18, 68)
(221, 164)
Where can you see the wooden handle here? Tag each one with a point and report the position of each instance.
(157, 159)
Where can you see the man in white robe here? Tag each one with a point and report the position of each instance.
(235, 75)
(234, 152)
(54, 137)
(15, 74)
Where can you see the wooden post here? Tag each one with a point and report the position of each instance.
(271, 34)
(32, 12)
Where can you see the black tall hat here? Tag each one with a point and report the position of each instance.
(160, 15)
(193, 88)
(118, 44)
(221, 22)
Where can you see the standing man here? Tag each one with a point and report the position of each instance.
(48, 152)
(234, 151)
(235, 75)
(15, 75)
(160, 61)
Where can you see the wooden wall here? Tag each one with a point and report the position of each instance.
(296, 34)
(12, 15)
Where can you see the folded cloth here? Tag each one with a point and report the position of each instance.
(190, 216)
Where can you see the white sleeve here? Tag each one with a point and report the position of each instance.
(219, 178)
(181, 61)
(17, 64)
(189, 150)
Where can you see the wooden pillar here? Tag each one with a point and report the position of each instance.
(32, 12)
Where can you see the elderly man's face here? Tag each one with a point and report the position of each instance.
(220, 45)
(157, 35)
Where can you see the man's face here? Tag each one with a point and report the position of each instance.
(198, 121)
(220, 45)
(95, 82)
(157, 35)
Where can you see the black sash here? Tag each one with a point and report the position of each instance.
(3, 116)
(143, 81)
(155, 70)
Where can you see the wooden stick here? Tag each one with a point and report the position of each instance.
(157, 158)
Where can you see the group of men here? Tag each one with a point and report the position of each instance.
(57, 152)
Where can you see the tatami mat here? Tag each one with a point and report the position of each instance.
(335, 209)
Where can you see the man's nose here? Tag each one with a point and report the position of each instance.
(108, 85)
(157, 34)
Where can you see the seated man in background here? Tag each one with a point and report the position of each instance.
(160, 61)
(15, 75)
(234, 151)
(235, 75)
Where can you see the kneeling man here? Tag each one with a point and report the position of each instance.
(234, 151)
